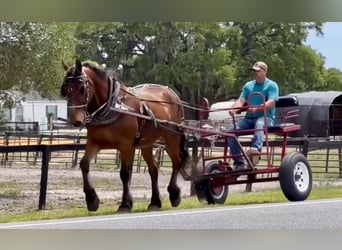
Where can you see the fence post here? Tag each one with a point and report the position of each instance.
(339, 163)
(327, 160)
(305, 149)
(75, 155)
(6, 143)
(40, 136)
(45, 149)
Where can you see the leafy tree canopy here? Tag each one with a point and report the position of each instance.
(198, 59)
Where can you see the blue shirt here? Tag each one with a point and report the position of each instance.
(269, 89)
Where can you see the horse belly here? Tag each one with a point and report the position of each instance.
(112, 136)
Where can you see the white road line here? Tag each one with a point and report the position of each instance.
(168, 213)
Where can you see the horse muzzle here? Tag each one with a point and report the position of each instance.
(77, 119)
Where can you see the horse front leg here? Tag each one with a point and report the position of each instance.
(91, 197)
(127, 157)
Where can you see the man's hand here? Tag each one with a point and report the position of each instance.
(252, 110)
(232, 112)
(237, 107)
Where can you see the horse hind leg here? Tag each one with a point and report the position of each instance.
(147, 153)
(180, 158)
(186, 160)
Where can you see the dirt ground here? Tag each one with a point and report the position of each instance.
(20, 185)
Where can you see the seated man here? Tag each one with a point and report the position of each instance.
(254, 118)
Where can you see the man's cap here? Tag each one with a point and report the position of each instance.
(259, 66)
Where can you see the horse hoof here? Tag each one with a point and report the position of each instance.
(123, 209)
(94, 205)
(174, 196)
(175, 202)
(153, 208)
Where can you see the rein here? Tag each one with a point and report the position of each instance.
(184, 103)
(103, 115)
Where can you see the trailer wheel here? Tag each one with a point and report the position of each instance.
(295, 177)
(205, 191)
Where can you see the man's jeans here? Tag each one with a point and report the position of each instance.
(257, 142)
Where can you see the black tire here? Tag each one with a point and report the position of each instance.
(295, 177)
(206, 192)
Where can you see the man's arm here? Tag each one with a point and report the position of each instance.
(236, 108)
(268, 105)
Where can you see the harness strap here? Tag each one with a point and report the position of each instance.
(103, 114)
(146, 108)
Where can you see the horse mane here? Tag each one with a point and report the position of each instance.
(101, 71)
(94, 66)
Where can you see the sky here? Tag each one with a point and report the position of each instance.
(330, 45)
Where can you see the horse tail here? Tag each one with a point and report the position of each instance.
(184, 153)
(185, 157)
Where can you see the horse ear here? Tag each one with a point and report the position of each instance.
(78, 65)
(65, 66)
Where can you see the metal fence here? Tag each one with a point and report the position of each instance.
(323, 154)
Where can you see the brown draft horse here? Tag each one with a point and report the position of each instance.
(91, 93)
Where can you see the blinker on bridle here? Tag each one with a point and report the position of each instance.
(85, 82)
(83, 79)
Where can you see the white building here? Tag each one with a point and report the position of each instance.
(34, 108)
(221, 112)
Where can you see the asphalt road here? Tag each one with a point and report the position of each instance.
(318, 214)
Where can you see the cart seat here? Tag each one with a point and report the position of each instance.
(284, 126)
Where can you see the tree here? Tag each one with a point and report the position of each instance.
(208, 59)
(188, 57)
(332, 80)
(277, 43)
(30, 55)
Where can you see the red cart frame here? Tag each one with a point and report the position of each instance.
(216, 173)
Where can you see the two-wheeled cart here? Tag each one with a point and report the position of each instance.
(216, 172)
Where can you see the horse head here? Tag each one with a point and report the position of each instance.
(76, 89)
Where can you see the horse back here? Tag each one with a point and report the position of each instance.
(162, 100)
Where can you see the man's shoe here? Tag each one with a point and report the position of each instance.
(254, 155)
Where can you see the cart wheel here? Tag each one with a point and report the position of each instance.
(295, 177)
(206, 192)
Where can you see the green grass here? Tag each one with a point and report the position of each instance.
(258, 197)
